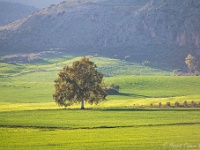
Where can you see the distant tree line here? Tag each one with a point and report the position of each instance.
(185, 104)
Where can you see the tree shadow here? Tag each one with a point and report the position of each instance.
(132, 95)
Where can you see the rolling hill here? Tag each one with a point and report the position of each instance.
(161, 32)
(13, 11)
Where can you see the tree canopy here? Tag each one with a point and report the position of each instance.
(79, 83)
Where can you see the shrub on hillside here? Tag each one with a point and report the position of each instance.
(146, 63)
(34, 57)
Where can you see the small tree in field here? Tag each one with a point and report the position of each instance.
(191, 62)
(79, 83)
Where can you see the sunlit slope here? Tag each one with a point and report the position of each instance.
(47, 69)
(134, 90)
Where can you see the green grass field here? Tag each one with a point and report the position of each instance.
(51, 66)
(29, 118)
(100, 129)
(134, 90)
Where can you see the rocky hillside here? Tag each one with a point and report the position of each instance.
(13, 11)
(161, 32)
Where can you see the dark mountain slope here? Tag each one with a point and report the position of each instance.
(35, 3)
(13, 11)
(160, 31)
(74, 23)
(175, 21)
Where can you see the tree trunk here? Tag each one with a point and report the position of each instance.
(82, 104)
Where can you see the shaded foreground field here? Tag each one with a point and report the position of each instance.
(100, 129)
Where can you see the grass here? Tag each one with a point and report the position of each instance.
(29, 118)
(157, 86)
(134, 90)
(77, 119)
(100, 129)
(110, 67)
(30, 92)
(101, 139)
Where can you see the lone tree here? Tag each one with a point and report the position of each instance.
(79, 83)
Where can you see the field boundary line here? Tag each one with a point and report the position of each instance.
(97, 127)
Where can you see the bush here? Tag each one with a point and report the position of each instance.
(127, 57)
(146, 63)
(177, 104)
(151, 105)
(193, 104)
(168, 104)
(112, 89)
(185, 104)
(34, 57)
